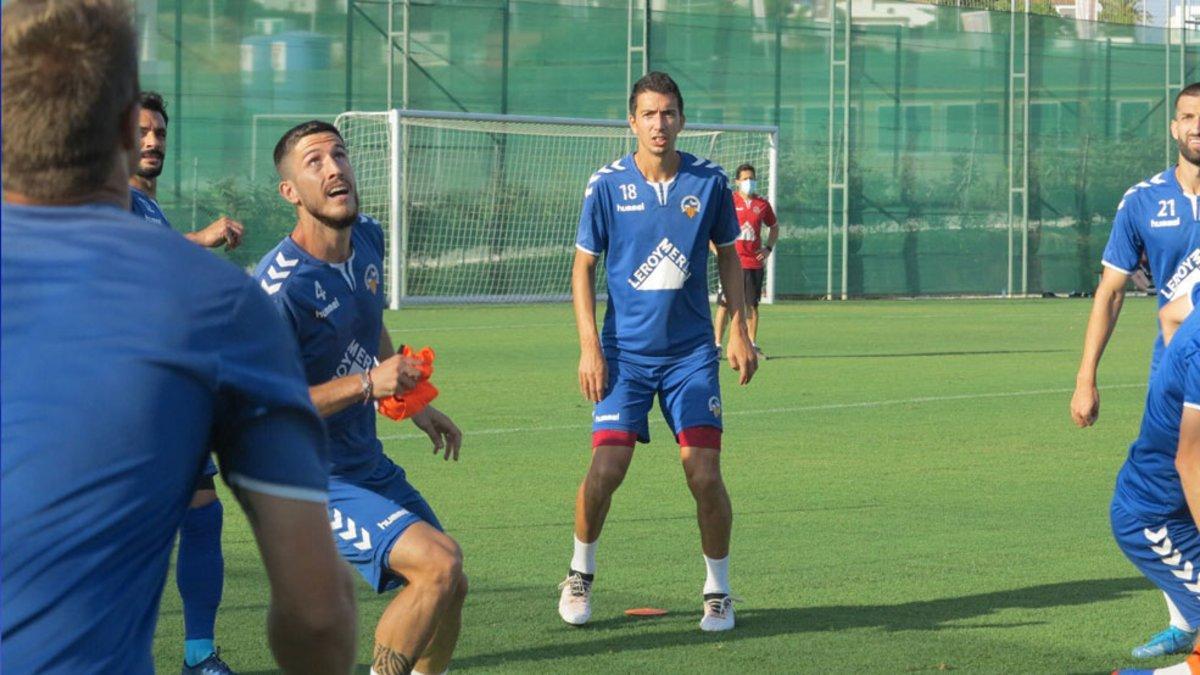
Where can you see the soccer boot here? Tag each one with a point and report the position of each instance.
(575, 602)
(1170, 641)
(213, 665)
(718, 612)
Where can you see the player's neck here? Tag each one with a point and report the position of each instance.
(321, 241)
(1188, 175)
(113, 192)
(146, 185)
(657, 168)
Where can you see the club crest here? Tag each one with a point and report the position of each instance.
(714, 406)
(690, 205)
(371, 279)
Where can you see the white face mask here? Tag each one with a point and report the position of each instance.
(746, 186)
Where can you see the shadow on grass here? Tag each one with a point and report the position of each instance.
(620, 634)
(900, 355)
(759, 623)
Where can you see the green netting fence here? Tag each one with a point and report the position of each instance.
(929, 88)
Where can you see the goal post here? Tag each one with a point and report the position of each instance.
(484, 207)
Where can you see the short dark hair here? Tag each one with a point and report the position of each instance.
(658, 82)
(745, 167)
(152, 100)
(1192, 89)
(77, 59)
(292, 136)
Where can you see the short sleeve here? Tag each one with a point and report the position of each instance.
(1124, 248)
(268, 435)
(592, 236)
(725, 228)
(1191, 381)
(768, 215)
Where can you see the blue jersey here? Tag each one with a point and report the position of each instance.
(128, 352)
(336, 313)
(1148, 483)
(654, 239)
(142, 205)
(1155, 218)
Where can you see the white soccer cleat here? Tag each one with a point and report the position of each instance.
(718, 613)
(575, 602)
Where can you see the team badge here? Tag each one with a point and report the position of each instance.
(714, 406)
(690, 205)
(371, 278)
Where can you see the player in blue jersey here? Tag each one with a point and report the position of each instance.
(200, 566)
(128, 353)
(651, 215)
(143, 184)
(1156, 218)
(326, 280)
(1156, 501)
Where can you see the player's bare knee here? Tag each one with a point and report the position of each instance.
(442, 569)
(705, 481)
(607, 474)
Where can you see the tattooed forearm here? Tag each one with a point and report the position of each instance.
(390, 662)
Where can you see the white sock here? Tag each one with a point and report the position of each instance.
(1177, 669)
(1177, 619)
(718, 575)
(584, 559)
(417, 672)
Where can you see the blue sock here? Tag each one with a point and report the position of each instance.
(195, 651)
(200, 575)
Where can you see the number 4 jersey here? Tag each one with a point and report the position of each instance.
(654, 238)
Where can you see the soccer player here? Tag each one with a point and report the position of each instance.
(651, 215)
(1157, 217)
(128, 353)
(753, 213)
(199, 567)
(143, 189)
(326, 281)
(1156, 502)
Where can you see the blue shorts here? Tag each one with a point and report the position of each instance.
(689, 394)
(1166, 551)
(210, 467)
(368, 516)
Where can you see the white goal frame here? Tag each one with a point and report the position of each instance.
(398, 226)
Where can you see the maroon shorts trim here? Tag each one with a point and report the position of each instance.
(699, 437)
(614, 437)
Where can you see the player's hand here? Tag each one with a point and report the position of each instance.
(440, 430)
(394, 375)
(1085, 405)
(742, 357)
(593, 375)
(222, 231)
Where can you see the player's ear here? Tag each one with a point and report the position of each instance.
(288, 192)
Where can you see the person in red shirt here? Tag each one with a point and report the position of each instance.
(753, 213)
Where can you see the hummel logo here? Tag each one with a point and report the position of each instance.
(349, 531)
(625, 208)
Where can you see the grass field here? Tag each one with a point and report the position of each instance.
(909, 495)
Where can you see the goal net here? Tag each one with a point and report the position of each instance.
(484, 208)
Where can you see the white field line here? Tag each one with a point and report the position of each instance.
(568, 322)
(582, 423)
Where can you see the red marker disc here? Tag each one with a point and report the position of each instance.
(645, 611)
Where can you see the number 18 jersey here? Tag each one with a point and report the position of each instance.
(654, 238)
